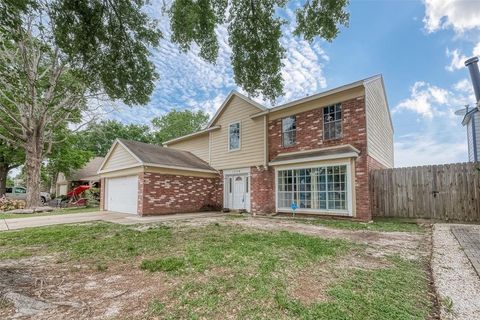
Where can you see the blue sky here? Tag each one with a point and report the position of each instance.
(418, 46)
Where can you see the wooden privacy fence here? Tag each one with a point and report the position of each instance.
(444, 192)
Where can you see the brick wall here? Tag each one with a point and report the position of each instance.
(310, 136)
(164, 194)
(262, 193)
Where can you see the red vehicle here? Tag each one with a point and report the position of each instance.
(74, 197)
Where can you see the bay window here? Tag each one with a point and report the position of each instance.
(320, 188)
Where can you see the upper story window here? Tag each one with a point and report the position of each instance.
(234, 136)
(332, 122)
(289, 131)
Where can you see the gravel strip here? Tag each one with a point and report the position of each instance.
(456, 282)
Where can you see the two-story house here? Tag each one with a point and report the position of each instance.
(314, 154)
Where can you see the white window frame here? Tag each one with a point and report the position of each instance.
(239, 135)
(349, 189)
(289, 131)
(334, 121)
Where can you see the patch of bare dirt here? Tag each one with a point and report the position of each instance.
(41, 288)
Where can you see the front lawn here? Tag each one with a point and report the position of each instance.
(385, 225)
(223, 271)
(51, 213)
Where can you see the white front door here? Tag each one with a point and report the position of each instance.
(238, 193)
(121, 194)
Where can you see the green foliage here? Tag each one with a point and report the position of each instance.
(254, 32)
(175, 124)
(321, 18)
(108, 41)
(92, 195)
(98, 137)
(167, 264)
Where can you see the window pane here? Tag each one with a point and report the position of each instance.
(289, 127)
(316, 188)
(234, 136)
(332, 122)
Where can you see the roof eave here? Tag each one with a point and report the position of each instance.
(316, 96)
(198, 133)
(337, 156)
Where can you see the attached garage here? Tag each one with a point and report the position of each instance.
(145, 179)
(121, 194)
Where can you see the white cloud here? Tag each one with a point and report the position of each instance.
(187, 81)
(458, 58)
(429, 100)
(460, 15)
(476, 50)
(431, 148)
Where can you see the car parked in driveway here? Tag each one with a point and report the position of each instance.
(20, 193)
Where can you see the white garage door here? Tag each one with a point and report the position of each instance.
(122, 194)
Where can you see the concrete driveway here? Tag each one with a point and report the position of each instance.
(115, 217)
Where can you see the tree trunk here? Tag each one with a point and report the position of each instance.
(3, 177)
(33, 163)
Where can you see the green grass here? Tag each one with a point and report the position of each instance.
(52, 213)
(385, 225)
(235, 271)
(164, 264)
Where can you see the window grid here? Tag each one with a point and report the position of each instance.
(322, 188)
(332, 122)
(289, 131)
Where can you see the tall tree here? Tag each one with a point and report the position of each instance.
(65, 157)
(254, 33)
(98, 137)
(57, 55)
(175, 124)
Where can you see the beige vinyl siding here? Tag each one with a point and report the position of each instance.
(197, 145)
(252, 137)
(379, 126)
(317, 103)
(119, 158)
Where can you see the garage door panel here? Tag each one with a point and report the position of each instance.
(122, 194)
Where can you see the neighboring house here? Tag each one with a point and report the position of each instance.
(471, 116)
(86, 175)
(315, 152)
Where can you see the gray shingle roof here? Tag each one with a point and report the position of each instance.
(88, 172)
(155, 154)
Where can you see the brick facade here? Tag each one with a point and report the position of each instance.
(309, 136)
(262, 184)
(164, 194)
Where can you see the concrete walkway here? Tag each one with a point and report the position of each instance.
(114, 217)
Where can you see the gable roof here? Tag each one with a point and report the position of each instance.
(319, 95)
(156, 156)
(230, 96)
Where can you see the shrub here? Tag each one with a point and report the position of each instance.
(92, 196)
(7, 204)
